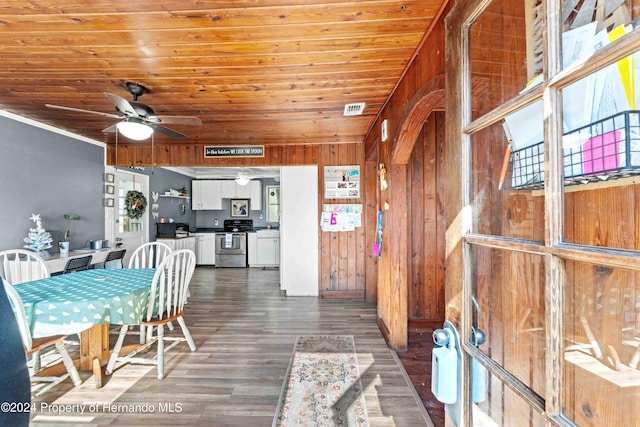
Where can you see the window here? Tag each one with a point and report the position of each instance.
(273, 203)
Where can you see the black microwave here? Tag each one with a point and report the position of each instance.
(171, 230)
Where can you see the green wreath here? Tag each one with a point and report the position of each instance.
(135, 203)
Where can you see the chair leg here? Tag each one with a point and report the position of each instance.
(116, 350)
(160, 352)
(142, 335)
(68, 363)
(187, 334)
(36, 361)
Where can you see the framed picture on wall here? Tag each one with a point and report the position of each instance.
(109, 202)
(239, 208)
(109, 177)
(109, 189)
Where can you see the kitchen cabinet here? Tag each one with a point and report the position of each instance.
(207, 194)
(252, 249)
(232, 190)
(255, 188)
(264, 248)
(205, 248)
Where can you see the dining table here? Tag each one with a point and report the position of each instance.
(87, 302)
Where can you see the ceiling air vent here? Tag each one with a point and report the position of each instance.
(354, 109)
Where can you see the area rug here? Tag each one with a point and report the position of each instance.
(322, 386)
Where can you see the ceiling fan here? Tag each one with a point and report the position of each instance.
(139, 119)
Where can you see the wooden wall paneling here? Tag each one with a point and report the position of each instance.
(441, 228)
(369, 217)
(398, 254)
(430, 222)
(416, 267)
(343, 264)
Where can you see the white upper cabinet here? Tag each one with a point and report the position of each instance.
(231, 190)
(206, 195)
(256, 195)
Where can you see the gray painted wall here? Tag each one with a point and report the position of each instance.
(160, 181)
(49, 174)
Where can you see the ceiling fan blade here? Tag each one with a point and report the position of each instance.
(169, 132)
(122, 104)
(176, 120)
(78, 110)
(112, 128)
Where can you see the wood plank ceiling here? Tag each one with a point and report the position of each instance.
(254, 71)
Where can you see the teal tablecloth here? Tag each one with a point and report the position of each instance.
(72, 303)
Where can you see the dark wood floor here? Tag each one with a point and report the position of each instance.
(244, 329)
(417, 363)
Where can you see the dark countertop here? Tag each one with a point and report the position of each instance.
(221, 230)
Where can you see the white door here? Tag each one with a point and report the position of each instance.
(119, 226)
(299, 230)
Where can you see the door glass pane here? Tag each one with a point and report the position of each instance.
(501, 66)
(125, 223)
(602, 337)
(601, 156)
(590, 25)
(508, 204)
(511, 317)
(501, 407)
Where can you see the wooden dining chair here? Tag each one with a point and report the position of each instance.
(167, 300)
(113, 256)
(19, 266)
(149, 255)
(32, 345)
(77, 264)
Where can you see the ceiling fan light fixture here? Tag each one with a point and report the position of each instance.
(242, 180)
(135, 130)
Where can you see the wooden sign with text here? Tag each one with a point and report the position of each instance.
(234, 151)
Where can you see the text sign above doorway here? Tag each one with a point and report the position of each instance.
(235, 151)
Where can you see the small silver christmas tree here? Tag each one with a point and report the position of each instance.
(38, 239)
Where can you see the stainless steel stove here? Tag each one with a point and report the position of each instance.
(231, 245)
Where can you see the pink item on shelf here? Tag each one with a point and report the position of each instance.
(601, 153)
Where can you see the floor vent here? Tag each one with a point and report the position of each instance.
(354, 109)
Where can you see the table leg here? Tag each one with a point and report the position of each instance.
(94, 350)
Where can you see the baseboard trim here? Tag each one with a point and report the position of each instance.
(342, 294)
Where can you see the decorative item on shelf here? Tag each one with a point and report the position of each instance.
(64, 245)
(184, 191)
(135, 204)
(38, 239)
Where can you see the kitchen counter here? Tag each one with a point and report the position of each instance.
(221, 230)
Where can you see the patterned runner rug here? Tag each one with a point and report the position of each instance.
(322, 386)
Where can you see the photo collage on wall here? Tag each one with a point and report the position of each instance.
(342, 182)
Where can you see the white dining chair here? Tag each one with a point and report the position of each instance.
(149, 255)
(33, 345)
(167, 300)
(19, 266)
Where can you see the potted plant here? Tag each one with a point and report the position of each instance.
(64, 245)
(184, 191)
